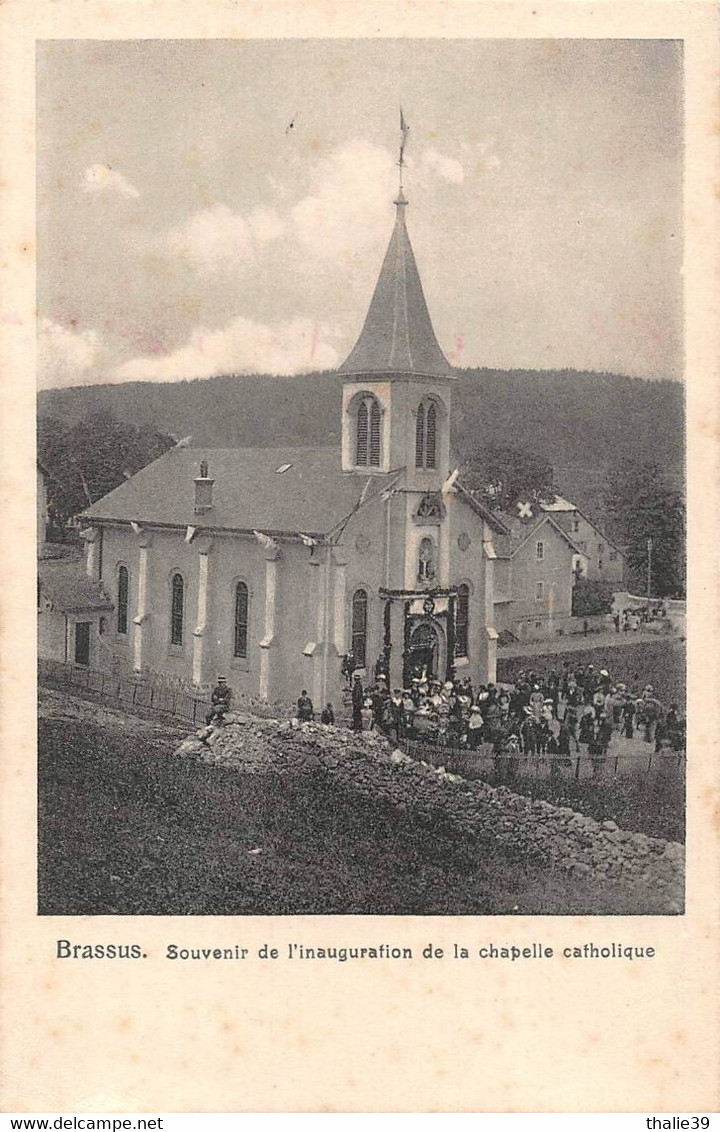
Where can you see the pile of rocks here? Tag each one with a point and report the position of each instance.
(366, 764)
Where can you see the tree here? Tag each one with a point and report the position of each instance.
(591, 598)
(500, 475)
(86, 460)
(644, 504)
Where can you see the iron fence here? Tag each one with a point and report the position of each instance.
(482, 762)
(126, 690)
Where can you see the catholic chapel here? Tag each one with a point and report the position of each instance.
(271, 566)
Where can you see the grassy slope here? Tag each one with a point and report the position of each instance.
(127, 829)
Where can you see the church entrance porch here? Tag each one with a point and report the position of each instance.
(419, 635)
(423, 651)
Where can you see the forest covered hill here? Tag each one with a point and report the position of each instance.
(571, 419)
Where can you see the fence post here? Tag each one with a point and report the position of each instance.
(577, 766)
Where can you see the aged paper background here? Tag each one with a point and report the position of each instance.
(426, 1036)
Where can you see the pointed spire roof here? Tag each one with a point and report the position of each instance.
(398, 336)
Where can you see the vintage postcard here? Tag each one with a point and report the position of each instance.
(361, 370)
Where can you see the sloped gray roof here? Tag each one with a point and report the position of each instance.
(398, 335)
(311, 497)
(64, 582)
(521, 530)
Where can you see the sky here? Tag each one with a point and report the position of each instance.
(224, 206)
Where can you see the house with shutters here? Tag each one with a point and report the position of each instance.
(272, 566)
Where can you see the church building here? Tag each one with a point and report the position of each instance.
(272, 565)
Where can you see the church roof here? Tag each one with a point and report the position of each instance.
(398, 336)
(251, 492)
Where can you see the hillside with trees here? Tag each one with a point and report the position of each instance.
(564, 417)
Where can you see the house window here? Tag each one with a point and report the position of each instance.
(426, 435)
(367, 434)
(539, 551)
(601, 547)
(241, 620)
(613, 555)
(462, 620)
(177, 610)
(576, 525)
(359, 627)
(539, 590)
(123, 587)
(426, 560)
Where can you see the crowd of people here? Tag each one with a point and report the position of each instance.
(572, 711)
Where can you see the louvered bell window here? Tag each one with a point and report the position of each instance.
(368, 438)
(426, 436)
(362, 435)
(375, 435)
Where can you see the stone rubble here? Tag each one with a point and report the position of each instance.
(366, 764)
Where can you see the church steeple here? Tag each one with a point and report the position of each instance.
(396, 387)
(398, 336)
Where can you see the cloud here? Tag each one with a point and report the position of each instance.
(482, 155)
(446, 167)
(348, 208)
(242, 346)
(217, 239)
(66, 357)
(98, 179)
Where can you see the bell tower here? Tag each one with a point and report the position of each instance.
(396, 412)
(396, 388)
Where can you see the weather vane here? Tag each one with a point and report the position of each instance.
(404, 130)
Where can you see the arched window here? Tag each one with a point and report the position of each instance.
(375, 435)
(462, 620)
(430, 432)
(420, 438)
(177, 610)
(426, 435)
(123, 587)
(361, 452)
(426, 560)
(241, 620)
(359, 627)
(368, 433)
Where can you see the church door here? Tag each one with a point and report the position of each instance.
(423, 653)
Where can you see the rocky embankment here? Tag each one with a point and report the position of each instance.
(367, 765)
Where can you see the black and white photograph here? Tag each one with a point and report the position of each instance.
(361, 555)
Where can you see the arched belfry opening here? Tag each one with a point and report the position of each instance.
(396, 379)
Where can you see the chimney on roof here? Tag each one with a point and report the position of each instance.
(203, 490)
